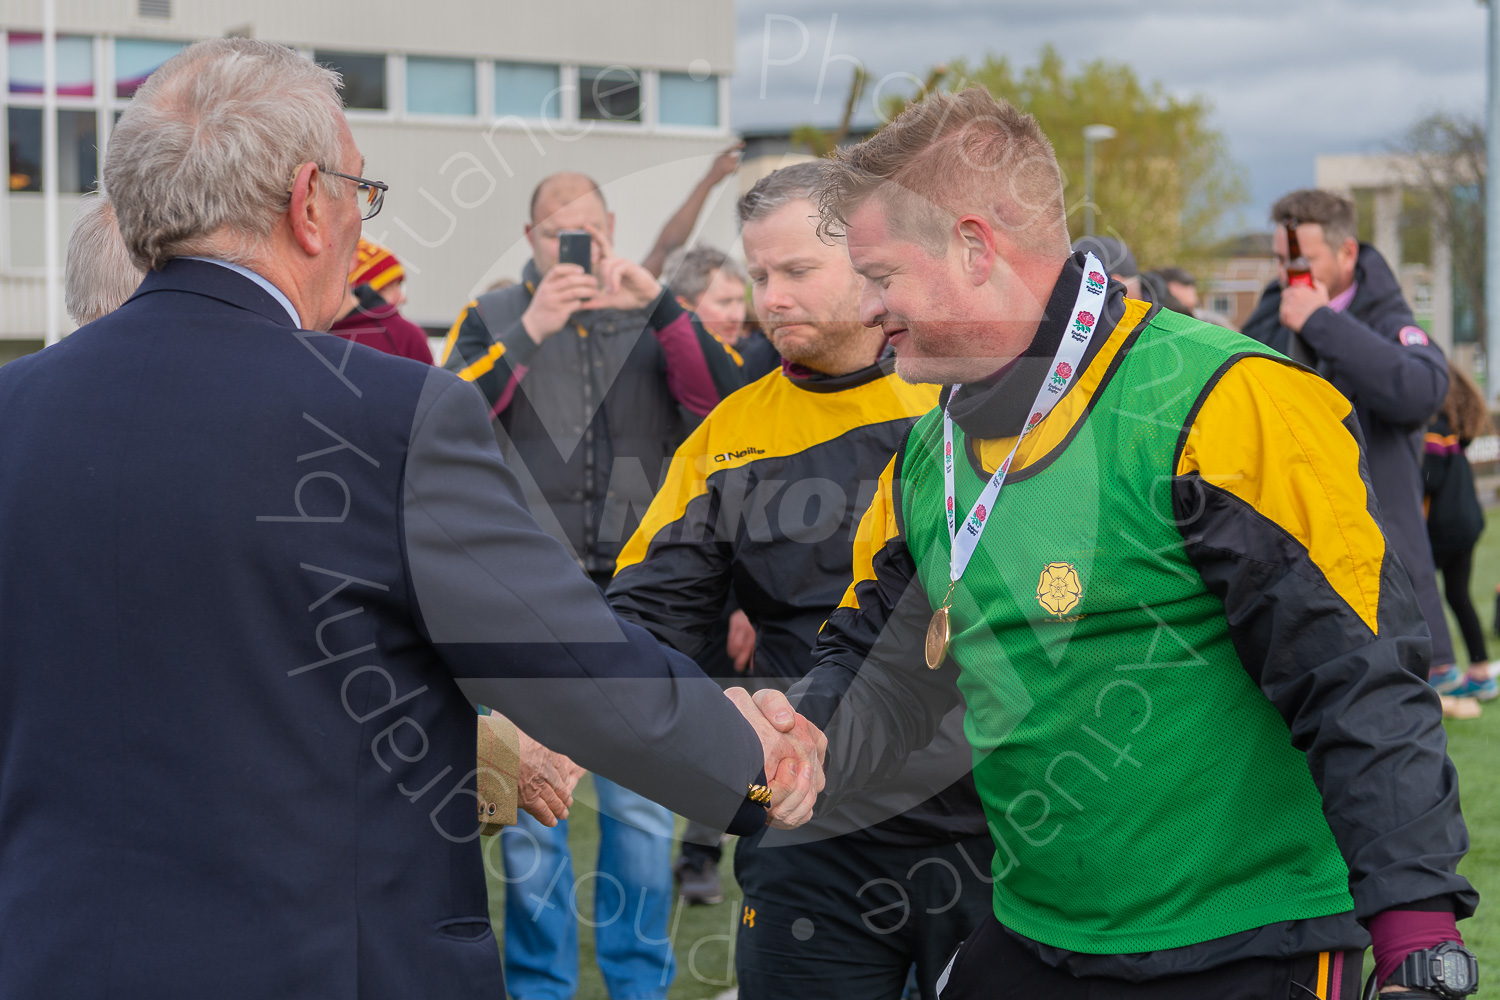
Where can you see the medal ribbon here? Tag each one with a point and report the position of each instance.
(1082, 326)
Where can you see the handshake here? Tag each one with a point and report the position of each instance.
(794, 750)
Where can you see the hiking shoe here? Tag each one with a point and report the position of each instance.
(1485, 690)
(1446, 680)
(698, 881)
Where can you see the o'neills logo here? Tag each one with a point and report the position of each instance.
(1082, 324)
(976, 519)
(1059, 380)
(1094, 282)
(730, 456)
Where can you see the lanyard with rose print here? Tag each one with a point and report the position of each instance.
(1075, 343)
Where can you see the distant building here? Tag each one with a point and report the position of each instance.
(1242, 269)
(460, 105)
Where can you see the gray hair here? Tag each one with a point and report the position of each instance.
(202, 158)
(99, 275)
(800, 181)
(690, 270)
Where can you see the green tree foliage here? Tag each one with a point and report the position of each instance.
(1164, 185)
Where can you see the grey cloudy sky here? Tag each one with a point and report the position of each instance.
(1288, 79)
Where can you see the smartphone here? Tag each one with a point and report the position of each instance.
(576, 246)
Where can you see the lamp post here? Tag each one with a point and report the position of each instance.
(1491, 331)
(1091, 135)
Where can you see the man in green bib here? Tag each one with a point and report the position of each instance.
(1143, 552)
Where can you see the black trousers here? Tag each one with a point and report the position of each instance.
(1458, 568)
(846, 919)
(993, 965)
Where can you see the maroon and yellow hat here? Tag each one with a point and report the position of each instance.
(375, 266)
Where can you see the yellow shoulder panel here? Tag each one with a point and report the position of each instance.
(771, 417)
(876, 528)
(452, 337)
(1274, 436)
(684, 483)
(1072, 408)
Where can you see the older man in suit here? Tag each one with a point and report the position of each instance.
(252, 580)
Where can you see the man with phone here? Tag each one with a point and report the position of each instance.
(593, 374)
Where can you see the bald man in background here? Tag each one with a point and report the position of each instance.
(592, 380)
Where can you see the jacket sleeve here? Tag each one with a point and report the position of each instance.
(673, 576)
(870, 689)
(699, 370)
(495, 364)
(1403, 384)
(1272, 495)
(523, 630)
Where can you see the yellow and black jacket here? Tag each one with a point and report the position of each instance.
(762, 500)
(1269, 495)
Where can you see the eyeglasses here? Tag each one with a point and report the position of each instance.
(371, 194)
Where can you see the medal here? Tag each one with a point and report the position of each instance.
(937, 634)
(1077, 336)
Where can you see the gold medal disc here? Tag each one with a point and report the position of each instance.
(937, 639)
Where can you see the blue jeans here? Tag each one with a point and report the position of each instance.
(632, 902)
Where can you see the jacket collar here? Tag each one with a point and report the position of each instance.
(1375, 284)
(813, 381)
(200, 277)
(998, 406)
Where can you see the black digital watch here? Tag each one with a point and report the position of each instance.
(1449, 971)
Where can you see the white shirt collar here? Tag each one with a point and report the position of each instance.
(275, 292)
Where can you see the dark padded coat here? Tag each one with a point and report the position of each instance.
(1396, 384)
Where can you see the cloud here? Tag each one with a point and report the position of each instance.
(1288, 79)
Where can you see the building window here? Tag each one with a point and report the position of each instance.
(75, 64)
(610, 95)
(77, 150)
(689, 101)
(440, 86)
(138, 58)
(24, 133)
(1223, 305)
(364, 77)
(527, 90)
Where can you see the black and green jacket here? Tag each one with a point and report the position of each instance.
(1267, 498)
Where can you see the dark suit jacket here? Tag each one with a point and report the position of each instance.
(247, 576)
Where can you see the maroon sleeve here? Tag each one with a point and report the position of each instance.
(688, 376)
(409, 339)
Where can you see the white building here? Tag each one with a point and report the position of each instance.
(462, 106)
(1428, 288)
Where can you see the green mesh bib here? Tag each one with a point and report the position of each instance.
(1142, 792)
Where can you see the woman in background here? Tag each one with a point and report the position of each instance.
(1455, 521)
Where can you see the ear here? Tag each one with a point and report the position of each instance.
(529, 238)
(976, 239)
(307, 210)
(1349, 253)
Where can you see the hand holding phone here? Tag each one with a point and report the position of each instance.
(576, 246)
